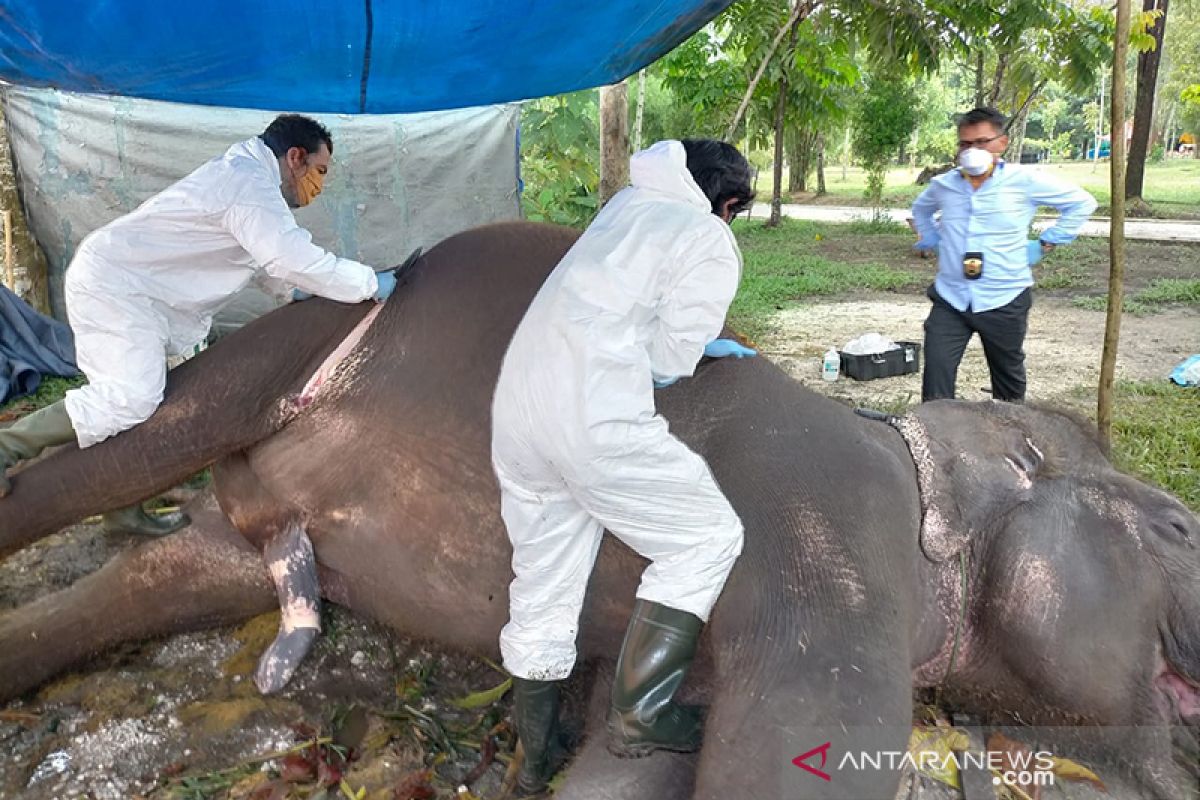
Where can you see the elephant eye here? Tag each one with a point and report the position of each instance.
(1173, 526)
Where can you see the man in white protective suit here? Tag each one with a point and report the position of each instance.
(578, 448)
(146, 286)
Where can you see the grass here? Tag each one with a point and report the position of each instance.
(1161, 292)
(1156, 436)
(51, 390)
(783, 265)
(1171, 187)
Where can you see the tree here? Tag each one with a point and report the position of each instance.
(560, 164)
(883, 121)
(1143, 110)
(1116, 239)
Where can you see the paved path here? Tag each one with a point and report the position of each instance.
(1161, 230)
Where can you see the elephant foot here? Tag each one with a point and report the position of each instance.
(293, 567)
(278, 664)
(135, 520)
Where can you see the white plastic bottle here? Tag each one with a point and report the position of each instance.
(831, 365)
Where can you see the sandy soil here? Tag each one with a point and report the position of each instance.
(1063, 348)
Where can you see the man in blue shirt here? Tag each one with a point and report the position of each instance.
(984, 280)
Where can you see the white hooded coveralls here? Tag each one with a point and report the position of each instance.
(147, 284)
(577, 446)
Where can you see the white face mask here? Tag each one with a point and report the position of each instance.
(975, 161)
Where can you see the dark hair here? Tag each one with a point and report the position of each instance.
(984, 114)
(293, 130)
(720, 171)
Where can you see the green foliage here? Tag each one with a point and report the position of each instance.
(1156, 436)
(1160, 292)
(560, 158)
(883, 121)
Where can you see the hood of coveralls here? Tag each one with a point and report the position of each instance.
(662, 168)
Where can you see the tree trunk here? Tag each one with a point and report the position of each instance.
(1116, 242)
(641, 108)
(979, 78)
(777, 187)
(795, 160)
(1143, 109)
(1020, 149)
(820, 164)
(845, 153)
(614, 140)
(799, 12)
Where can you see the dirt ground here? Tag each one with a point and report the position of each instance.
(1063, 348)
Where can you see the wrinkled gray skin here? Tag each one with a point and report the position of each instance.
(1084, 598)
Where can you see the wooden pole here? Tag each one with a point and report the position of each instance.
(8, 250)
(614, 140)
(1116, 241)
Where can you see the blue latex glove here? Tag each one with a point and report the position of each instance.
(924, 249)
(720, 348)
(1033, 251)
(664, 384)
(387, 285)
(298, 295)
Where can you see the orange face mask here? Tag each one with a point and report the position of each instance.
(309, 185)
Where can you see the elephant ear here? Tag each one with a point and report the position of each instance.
(975, 462)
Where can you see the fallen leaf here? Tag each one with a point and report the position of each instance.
(20, 717)
(487, 754)
(298, 768)
(415, 786)
(931, 749)
(275, 790)
(484, 698)
(1067, 769)
(1015, 757)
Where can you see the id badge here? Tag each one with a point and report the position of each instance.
(972, 266)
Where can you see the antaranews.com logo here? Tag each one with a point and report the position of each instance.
(1020, 769)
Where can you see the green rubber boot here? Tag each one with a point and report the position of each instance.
(134, 519)
(30, 435)
(535, 716)
(658, 649)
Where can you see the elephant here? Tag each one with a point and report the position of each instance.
(988, 549)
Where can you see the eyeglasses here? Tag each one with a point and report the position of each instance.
(963, 144)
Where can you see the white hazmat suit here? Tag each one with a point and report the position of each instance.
(147, 284)
(577, 446)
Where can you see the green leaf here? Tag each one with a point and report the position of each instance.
(484, 698)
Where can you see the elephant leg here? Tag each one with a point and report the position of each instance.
(276, 529)
(596, 774)
(816, 708)
(293, 567)
(199, 578)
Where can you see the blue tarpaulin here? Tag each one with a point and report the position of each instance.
(348, 56)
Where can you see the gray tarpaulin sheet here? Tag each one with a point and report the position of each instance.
(398, 181)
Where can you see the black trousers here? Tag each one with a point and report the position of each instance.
(1002, 332)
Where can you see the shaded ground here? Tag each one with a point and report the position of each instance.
(181, 718)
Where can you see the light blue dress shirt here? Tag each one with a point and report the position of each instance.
(994, 220)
